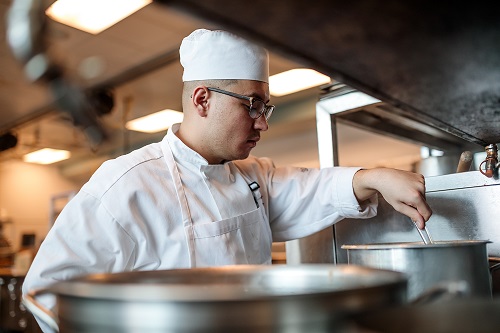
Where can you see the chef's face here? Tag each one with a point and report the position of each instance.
(234, 132)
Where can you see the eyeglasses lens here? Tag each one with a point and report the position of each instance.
(257, 108)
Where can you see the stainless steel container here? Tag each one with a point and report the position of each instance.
(430, 265)
(437, 165)
(305, 298)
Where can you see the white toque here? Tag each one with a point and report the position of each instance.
(209, 55)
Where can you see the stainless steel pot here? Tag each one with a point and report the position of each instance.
(437, 165)
(305, 298)
(429, 265)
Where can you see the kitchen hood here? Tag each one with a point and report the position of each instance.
(438, 62)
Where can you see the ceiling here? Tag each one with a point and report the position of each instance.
(136, 58)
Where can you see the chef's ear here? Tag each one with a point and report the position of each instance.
(200, 100)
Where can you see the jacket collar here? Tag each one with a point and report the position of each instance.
(185, 155)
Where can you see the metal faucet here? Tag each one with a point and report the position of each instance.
(491, 162)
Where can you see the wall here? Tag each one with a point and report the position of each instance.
(25, 196)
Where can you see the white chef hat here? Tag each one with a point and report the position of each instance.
(209, 55)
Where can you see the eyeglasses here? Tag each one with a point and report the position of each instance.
(256, 108)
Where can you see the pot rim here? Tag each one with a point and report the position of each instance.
(311, 280)
(414, 245)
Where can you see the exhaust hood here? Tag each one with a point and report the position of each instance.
(435, 62)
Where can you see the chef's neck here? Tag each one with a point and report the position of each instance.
(190, 142)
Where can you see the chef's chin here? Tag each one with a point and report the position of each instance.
(241, 156)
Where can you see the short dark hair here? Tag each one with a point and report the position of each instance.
(218, 83)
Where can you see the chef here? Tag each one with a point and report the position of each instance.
(198, 198)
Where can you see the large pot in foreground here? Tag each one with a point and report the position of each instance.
(429, 266)
(305, 298)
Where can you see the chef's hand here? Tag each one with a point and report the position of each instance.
(403, 190)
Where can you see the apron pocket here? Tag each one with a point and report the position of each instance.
(243, 239)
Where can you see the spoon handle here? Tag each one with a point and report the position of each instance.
(424, 234)
(428, 235)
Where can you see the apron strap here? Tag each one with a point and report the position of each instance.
(181, 197)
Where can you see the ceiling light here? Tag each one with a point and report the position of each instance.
(46, 156)
(93, 16)
(295, 80)
(349, 101)
(156, 122)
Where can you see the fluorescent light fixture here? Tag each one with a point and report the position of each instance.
(47, 156)
(350, 101)
(155, 122)
(295, 80)
(93, 16)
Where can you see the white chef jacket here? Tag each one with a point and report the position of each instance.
(131, 215)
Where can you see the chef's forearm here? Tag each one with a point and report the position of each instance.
(362, 184)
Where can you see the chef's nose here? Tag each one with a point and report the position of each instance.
(261, 123)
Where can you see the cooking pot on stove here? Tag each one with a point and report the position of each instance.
(430, 265)
(304, 298)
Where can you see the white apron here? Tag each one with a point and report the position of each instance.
(242, 239)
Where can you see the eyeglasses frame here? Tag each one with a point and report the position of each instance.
(268, 109)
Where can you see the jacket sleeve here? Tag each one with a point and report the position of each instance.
(84, 238)
(303, 201)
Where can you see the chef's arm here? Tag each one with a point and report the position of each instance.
(403, 190)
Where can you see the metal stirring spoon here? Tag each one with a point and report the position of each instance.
(424, 234)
